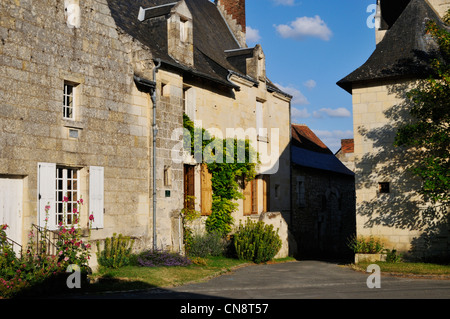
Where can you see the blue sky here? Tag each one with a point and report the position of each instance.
(309, 46)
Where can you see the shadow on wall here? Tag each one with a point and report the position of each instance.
(403, 207)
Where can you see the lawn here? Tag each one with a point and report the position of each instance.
(136, 277)
(407, 268)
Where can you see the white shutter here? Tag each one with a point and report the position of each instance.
(47, 194)
(96, 195)
(259, 119)
(190, 101)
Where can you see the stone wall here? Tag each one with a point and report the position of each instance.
(323, 212)
(399, 216)
(38, 52)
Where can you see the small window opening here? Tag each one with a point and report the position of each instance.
(384, 188)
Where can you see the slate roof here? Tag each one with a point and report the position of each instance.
(307, 150)
(405, 51)
(212, 38)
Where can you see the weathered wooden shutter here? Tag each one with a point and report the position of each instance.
(206, 190)
(247, 203)
(255, 196)
(47, 194)
(266, 193)
(96, 195)
(189, 186)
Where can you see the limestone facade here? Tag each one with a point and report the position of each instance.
(76, 117)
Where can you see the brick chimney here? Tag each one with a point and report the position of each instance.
(234, 13)
(347, 146)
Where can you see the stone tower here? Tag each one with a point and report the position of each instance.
(389, 11)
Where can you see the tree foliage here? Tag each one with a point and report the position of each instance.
(429, 131)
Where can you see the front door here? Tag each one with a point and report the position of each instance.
(11, 190)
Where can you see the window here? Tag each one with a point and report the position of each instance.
(277, 191)
(59, 190)
(67, 195)
(384, 188)
(68, 101)
(301, 191)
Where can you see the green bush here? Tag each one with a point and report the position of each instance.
(116, 252)
(209, 244)
(256, 241)
(364, 245)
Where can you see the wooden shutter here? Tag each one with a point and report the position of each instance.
(248, 198)
(206, 191)
(254, 196)
(190, 102)
(96, 195)
(47, 194)
(266, 193)
(259, 118)
(189, 186)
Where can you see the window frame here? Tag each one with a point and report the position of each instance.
(66, 197)
(69, 106)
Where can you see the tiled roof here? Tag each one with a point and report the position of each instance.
(307, 150)
(303, 137)
(405, 51)
(212, 37)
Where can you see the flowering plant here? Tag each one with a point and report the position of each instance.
(36, 266)
(71, 247)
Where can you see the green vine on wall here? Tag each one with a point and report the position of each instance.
(228, 175)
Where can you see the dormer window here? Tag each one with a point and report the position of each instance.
(183, 29)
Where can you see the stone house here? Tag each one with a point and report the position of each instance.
(323, 198)
(92, 98)
(387, 203)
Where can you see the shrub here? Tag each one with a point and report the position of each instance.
(209, 244)
(161, 258)
(256, 241)
(393, 257)
(116, 252)
(364, 245)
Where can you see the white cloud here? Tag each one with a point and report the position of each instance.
(332, 139)
(305, 27)
(284, 2)
(310, 84)
(253, 35)
(299, 114)
(297, 97)
(339, 112)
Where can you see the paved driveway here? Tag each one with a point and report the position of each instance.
(297, 280)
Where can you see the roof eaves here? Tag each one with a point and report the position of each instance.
(196, 73)
(155, 11)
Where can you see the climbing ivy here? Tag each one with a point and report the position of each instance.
(228, 176)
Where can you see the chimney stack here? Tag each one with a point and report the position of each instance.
(234, 13)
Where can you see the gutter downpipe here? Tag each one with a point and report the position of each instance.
(155, 133)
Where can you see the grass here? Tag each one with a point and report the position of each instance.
(136, 277)
(408, 268)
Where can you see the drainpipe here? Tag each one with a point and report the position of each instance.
(155, 132)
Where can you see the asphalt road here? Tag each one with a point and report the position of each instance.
(297, 280)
